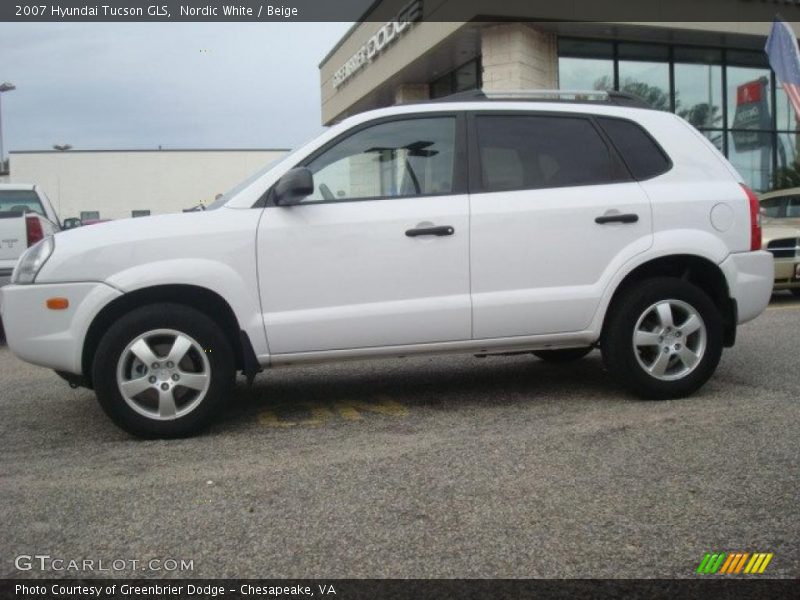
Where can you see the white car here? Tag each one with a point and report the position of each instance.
(485, 225)
(26, 216)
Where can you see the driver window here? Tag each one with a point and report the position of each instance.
(414, 157)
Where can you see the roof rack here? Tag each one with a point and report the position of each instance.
(589, 96)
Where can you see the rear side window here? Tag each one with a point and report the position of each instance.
(793, 208)
(773, 207)
(642, 155)
(523, 152)
(20, 201)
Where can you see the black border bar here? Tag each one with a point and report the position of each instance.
(382, 11)
(406, 589)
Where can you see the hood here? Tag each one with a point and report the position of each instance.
(771, 232)
(97, 252)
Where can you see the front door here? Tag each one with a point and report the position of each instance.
(378, 255)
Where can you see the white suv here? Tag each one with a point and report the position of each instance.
(482, 225)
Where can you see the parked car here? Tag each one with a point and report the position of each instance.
(782, 207)
(784, 244)
(485, 224)
(71, 223)
(26, 216)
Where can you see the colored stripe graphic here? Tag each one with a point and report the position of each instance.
(711, 563)
(732, 563)
(758, 563)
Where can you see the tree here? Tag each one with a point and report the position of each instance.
(653, 95)
(786, 177)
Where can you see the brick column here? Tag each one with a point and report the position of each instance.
(516, 56)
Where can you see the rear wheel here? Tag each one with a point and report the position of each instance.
(163, 371)
(562, 356)
(663, 338)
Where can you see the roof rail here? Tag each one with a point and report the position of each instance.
(588, 96)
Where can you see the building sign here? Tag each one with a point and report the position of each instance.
(385, 37)
(752, 115)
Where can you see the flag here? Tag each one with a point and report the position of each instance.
(784, 58)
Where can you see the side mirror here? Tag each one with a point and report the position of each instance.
(293, 187)
(71, 223)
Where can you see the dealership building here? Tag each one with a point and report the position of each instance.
(714, 74)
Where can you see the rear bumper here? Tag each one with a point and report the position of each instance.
(52, 338)
(750, 277)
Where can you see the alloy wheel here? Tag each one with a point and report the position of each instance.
(163, 374)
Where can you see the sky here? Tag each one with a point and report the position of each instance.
(175, 85)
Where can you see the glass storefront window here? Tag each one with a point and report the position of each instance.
(466, 77)
(585, 65)
(644, 71)
(753, 160)
(749, 98)
(698, 94)
(788, 172)
(648, 80)
(784, 112)
(585, 74)
(727, 94)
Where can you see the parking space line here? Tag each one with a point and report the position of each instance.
(319, 413)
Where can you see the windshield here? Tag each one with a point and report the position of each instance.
(20, 201)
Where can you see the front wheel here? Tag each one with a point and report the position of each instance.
(663, 338)
(163, 371)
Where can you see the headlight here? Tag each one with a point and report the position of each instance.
(32, 260)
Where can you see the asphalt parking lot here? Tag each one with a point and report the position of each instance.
(421, 467)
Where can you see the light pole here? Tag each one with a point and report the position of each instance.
(4, 87)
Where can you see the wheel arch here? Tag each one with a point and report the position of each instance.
(695, 269)
(200, 298)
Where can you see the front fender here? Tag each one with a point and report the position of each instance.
(238, 289)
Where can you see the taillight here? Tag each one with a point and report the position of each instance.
(755, 218)
(33, 227)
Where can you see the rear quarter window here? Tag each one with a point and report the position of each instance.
(643, 156)
(20, 201)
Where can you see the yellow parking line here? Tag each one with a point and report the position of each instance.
(349, 410)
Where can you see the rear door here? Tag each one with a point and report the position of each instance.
(554, 212)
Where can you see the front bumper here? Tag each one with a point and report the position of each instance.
(5, 277)
(787, 273)
(52, 338)
(750, 277)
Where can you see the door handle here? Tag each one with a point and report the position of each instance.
(439, 231)
(627, 218)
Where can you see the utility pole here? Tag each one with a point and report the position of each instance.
(4, 87)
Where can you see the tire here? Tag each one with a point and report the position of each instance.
(136, 396)
(640, 363)
(562, 356)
